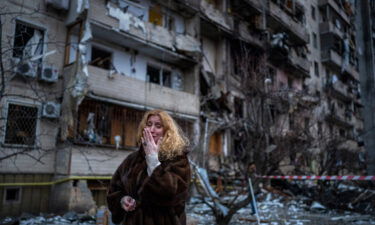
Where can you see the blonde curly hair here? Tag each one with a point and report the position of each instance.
(174, 141)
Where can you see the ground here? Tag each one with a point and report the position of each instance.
(277, 210)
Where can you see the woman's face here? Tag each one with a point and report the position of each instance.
(155, 126)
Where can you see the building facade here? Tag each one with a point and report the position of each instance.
(78, 75)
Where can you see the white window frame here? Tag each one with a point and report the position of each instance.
(161, 69)
(37, 129)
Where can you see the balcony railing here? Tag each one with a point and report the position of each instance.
(127, 89)
(330, 28)
(297, 65)
(217, 16)
(297, 32)
(244, 33)
(340, 11)
(339, 90)
(333, 59)
(112, 18)
(338, 117)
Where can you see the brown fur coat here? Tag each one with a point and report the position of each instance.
(160, 198)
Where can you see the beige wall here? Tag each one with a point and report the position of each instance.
(98, 161)
(140, 92)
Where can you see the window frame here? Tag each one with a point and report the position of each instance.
(161, 69)
(34, 26)
(38, 106)
(104, 49)
(18, 201)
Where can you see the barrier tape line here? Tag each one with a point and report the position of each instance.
(366, 178)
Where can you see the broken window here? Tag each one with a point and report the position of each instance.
(21, 125)
(120, 131)
(155, 15)
(313, 16)
(169, 22)
(12, 195)
(71, 47)
(342, 133)
(315, 40)
(101, 58)
(316, 69)
(238, 107)
(94, 125)
(159, 76)
(215, 146)
(28, 41)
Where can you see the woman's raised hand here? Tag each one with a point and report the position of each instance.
(149, 145)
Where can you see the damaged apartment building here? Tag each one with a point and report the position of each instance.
(79, 74)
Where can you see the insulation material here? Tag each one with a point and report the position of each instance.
(187, 43)
(82, 5)
(126, 19)
(77, 10)
(77, 85)
(154, 33)
(34, 45)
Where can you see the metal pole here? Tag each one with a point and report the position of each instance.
(254, 200)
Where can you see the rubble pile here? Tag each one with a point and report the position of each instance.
(338, 195)
(276, 209)
(66, 219)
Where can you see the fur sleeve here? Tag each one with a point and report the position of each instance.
(168, 184)
(115, 192)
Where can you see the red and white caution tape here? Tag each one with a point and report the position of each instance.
(319, 177)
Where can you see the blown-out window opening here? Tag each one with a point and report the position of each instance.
(113, 125)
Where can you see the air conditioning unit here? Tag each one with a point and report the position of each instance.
(49, 74)
(25, 68)
(51, 110)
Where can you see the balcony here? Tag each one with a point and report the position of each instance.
(112, 24)
(282, 21)
(247, 7)
(127, 89)
(247, 36)
(124, 88)
(291, 62)
(339, 90)
(330, 28)
(333, 4)
(340, 117)
(334, 60)
(216, 16)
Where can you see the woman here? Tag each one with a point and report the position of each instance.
(151, 184)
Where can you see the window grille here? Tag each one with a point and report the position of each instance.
(21, 125)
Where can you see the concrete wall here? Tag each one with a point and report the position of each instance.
(98, 161)
(135, 91)
(31, 91)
